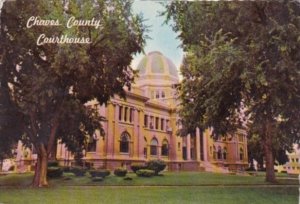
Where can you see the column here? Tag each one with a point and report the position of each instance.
(110, 129)
(205, 143)
(136, 138)
(198, 144)
(188, 147)
(140, 122)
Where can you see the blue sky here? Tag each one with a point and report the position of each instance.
(163, 37)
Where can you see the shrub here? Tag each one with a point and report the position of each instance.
(128, 178)
(99, 173)
(52, 163)
(145, 173)
(54, 172)
(120, 172)
(78, 171)
(135, 167)
(66, 169)
(97, 179)
(156, 165)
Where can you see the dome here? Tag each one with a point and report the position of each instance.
(156, 64)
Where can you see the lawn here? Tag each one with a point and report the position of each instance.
(183, 187)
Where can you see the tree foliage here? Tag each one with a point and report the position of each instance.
(241, 67)
(48, 85)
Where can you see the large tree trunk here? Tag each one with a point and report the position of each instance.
(269, 157)
(40, 175)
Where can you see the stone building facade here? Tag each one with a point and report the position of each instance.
(144, 127)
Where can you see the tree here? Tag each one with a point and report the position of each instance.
(241, 68)
(49, 83)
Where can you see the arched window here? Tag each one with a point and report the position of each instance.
(165, 148)
(241, 154)
(219, 152)
(124, 142)
(225, 153)
(153, 146)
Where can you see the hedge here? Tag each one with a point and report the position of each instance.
(145, 173)
(99, 173)
(120, 172)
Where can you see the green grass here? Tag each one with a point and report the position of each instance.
(167, 179)
(165, 195)
(172, 187)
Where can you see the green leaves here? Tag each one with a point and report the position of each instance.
(50, 83)
(238, 53)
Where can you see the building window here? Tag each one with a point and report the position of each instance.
(92, 142)
(131, 115)
(124, 143)
(156, 123)
(120, 112)
(125, 114)
(146, 120)
(167, 125)
(241, 154)
(162, 124)
(224, 153)
(163, 94)
(157, 94)
(219, 154)
(145, 147)
(153, 147)
(165, 148)
(151, 122)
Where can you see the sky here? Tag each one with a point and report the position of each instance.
(163, 38)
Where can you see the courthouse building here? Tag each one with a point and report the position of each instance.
(144, 126)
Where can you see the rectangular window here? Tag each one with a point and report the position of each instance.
(156, 123)
(131, 115)
(157, 94)
(146, 120)
(125, 114)
(151, 122)
(162, 124)
(153, 150)
(120, 112)
(167, 125)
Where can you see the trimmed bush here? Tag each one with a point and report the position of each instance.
(52, 163)
(78, 171)
(97, 179)
(66, 169)
(120, 172)
(54, 172)
(135, 167)
(145, 173)
(127, 178)
(99, 173)
(156, 165)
